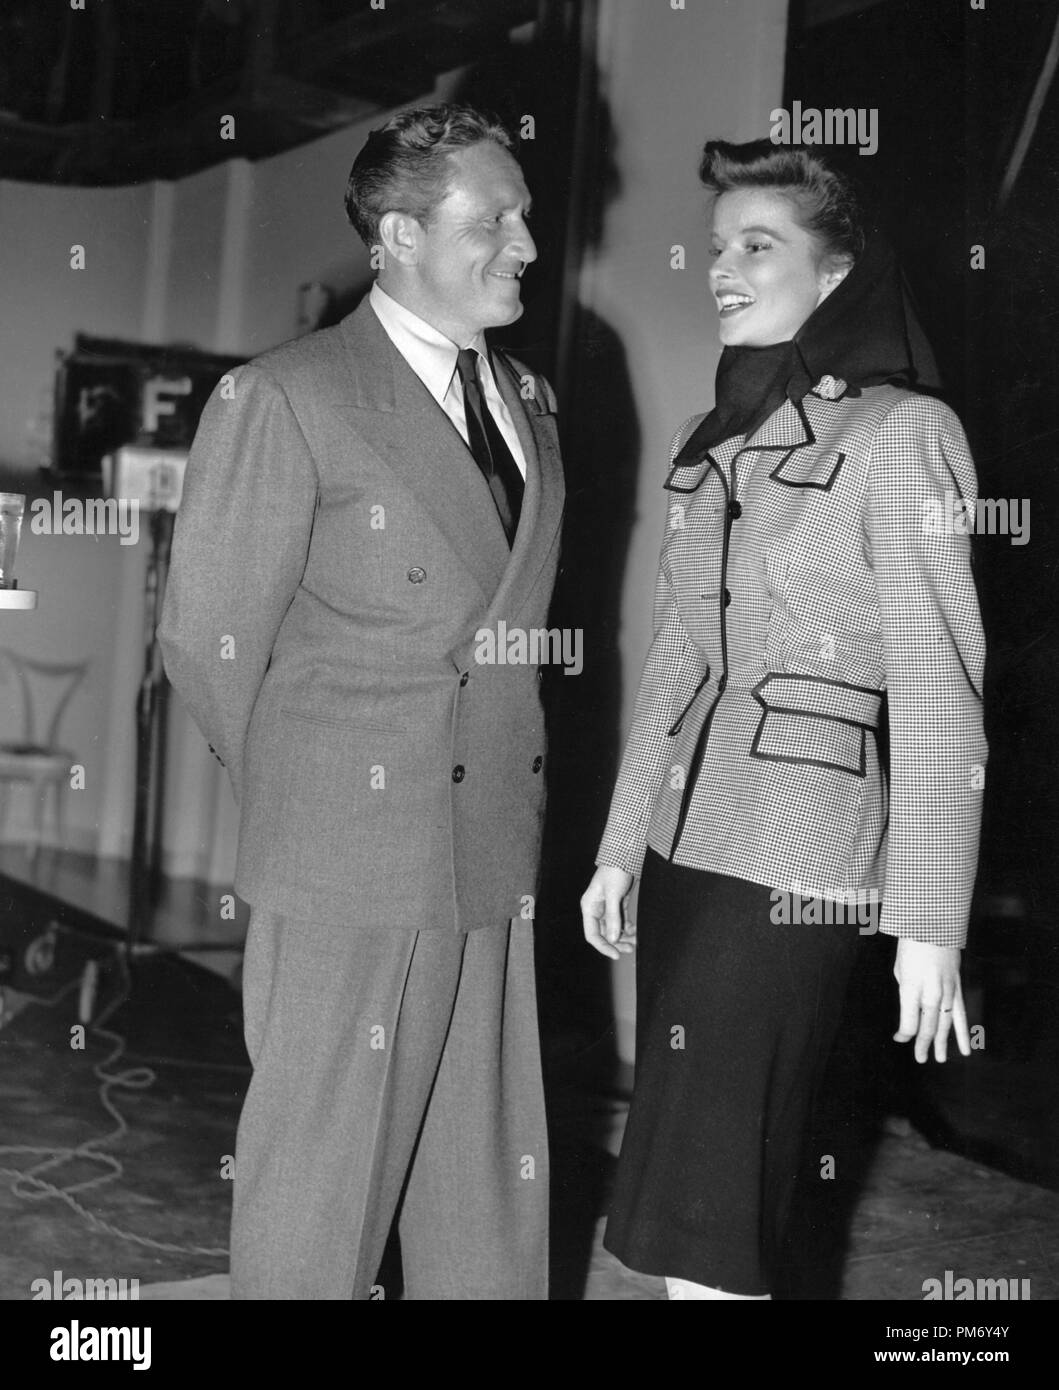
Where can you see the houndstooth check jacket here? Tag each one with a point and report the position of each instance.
(803, 599)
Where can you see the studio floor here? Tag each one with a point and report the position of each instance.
(900, 1210)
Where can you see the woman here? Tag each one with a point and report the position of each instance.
(810, 598)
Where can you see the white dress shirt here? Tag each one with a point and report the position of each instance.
(432, 357)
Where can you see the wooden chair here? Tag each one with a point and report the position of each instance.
(37, 759)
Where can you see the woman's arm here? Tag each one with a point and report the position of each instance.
(934, 647)
(934, 652)
(624, 844)
(665, 675)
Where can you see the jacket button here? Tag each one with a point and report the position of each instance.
(416, 575)
(465, 678)
(735, 511)
(727, 598)
(459, 772)
(538, 763)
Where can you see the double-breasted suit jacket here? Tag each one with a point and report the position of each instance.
(806, 594)
(336, 551)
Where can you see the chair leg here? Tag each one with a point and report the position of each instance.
(60, 813)
(40, 792)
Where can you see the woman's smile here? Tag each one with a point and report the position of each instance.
(728, 304)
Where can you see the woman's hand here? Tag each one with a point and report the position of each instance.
(928, 978)
(603, 912)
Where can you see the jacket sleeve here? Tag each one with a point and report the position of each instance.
(920, 477)
(239, 552)
(644, 762)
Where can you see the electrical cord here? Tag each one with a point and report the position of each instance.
(28, 1183)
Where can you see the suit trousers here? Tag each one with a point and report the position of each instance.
(394, 1074)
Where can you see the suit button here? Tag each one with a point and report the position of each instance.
(459, 772)
(735, 511)
(538, 763)
(465, 678)
(727, 598)
(416, 575)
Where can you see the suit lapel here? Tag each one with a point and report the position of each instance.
(400, 421)
(542, 503)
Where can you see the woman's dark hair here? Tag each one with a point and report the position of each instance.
(827, 202)
(405, 165)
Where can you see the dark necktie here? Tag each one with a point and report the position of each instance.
(489, 447)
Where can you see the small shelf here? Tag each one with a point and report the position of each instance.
(18, 598)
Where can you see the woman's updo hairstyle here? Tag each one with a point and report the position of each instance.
(826, 201)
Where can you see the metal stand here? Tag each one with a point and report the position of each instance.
(146, 728)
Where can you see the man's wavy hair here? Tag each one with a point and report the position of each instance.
(827, 203)
(405, 165)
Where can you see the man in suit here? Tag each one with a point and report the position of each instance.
(359, 505)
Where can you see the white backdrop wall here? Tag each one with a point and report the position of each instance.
(673, 78)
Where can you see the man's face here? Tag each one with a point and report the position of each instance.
(475, 247)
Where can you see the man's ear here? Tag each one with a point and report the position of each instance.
(401, 237)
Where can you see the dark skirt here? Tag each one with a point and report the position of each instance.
(735, 1017)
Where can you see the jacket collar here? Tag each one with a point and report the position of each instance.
(786, 429)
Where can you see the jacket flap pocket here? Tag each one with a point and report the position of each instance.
(816, 740)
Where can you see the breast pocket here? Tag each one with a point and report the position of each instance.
(809, 468)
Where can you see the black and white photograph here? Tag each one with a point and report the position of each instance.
(529, 672)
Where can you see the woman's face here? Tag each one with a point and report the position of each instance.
(767, 275)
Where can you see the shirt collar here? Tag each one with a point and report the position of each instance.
(427, 351)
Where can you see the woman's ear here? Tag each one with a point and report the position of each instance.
(831, 278)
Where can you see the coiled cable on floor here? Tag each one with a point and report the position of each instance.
(30, 1185)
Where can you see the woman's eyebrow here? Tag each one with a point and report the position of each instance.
(746, 231)
(768, 231)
